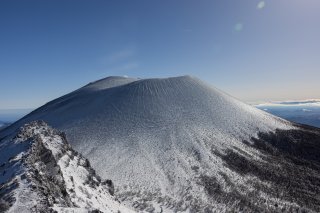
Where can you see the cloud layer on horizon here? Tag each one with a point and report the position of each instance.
(295, 103)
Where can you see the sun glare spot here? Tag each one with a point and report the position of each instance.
(261, 5)
(238, 27)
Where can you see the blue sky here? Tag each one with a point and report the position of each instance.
(254, 50)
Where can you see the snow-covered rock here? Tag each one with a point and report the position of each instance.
(180, 145)
(40, 172)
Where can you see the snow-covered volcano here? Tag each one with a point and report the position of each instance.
(177, 144)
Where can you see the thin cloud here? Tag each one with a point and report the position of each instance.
(187, 30)
(128, 66)
(121, 60)
(300, 103)
(119, 56)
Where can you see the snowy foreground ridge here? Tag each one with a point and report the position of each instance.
(42, 173)
(180, 145)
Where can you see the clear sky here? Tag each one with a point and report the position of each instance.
(254, 50)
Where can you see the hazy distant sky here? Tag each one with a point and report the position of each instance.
(254, 50)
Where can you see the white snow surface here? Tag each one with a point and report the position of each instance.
(20, 191)
(155, 137)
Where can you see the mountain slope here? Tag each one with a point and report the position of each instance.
(40, 172)
(177, 144)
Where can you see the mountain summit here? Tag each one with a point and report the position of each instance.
(178, 144)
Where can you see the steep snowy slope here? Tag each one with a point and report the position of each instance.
(40, 172)
(177, 144)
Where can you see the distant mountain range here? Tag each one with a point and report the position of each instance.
(11, 115)
(180, 145)
(3, 124)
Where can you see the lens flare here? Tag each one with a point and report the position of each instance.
(261, 5)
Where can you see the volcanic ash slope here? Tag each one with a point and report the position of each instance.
(177, 144)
